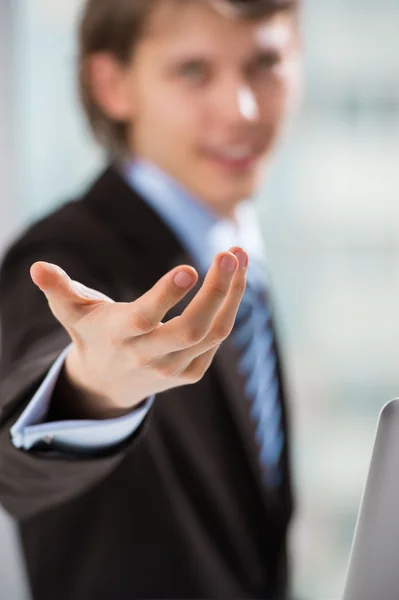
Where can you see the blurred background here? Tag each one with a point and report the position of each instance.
(330, 216)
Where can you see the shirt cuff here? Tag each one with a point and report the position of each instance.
(77, 435)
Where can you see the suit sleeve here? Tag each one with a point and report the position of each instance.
(31, 341)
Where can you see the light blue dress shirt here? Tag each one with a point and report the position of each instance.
(203, 234)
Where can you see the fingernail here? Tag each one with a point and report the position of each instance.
(183, 279)
(228, 264)
(242, 258)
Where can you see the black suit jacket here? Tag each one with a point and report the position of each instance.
(177, 511)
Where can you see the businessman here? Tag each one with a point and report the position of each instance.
(144, 439)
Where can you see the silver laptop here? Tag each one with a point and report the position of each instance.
(373, 572)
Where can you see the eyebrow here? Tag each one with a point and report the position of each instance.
(198, 56)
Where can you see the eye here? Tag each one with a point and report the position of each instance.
(266, 61)
(194, 70)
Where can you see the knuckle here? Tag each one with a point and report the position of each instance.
(142, 323)
(196, 371)
(219, 333)
(141, 361)
(238, 287)
(167, 370)
(193, 376)
(193, 335)
(218, 292)
(136, 359)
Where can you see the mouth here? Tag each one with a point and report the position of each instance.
(239, 158)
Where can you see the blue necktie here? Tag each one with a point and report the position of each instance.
(253, 337)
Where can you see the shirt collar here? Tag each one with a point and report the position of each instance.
(201, 232)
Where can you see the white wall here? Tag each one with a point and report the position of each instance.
(56, 153)
(8, 208)
(12, 576)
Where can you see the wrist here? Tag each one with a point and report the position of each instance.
(73, 400)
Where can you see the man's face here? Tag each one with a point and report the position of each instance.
(208, 94)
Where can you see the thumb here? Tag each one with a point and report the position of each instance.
(67, 298)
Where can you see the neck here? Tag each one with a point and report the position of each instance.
(222, 211)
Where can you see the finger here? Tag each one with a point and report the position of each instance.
(146, 313)
(193, 325)
(188, 373)
(225, 319)
(68, 299)
(198, 367)
(223, 323)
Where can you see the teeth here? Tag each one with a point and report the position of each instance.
(239, 152)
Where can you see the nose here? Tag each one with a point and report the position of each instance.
(237, 102)
(247, 104)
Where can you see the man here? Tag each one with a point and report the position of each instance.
(144, 439)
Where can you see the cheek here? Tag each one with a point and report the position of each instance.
(292, 82)
(275, 101)
(173, 109)
(169, 127)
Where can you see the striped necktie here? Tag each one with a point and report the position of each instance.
(253, 338)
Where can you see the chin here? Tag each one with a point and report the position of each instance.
(226, 200)
(238, 191)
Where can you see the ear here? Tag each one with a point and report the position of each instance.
(108, 81)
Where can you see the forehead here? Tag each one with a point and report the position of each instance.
(201, 25)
